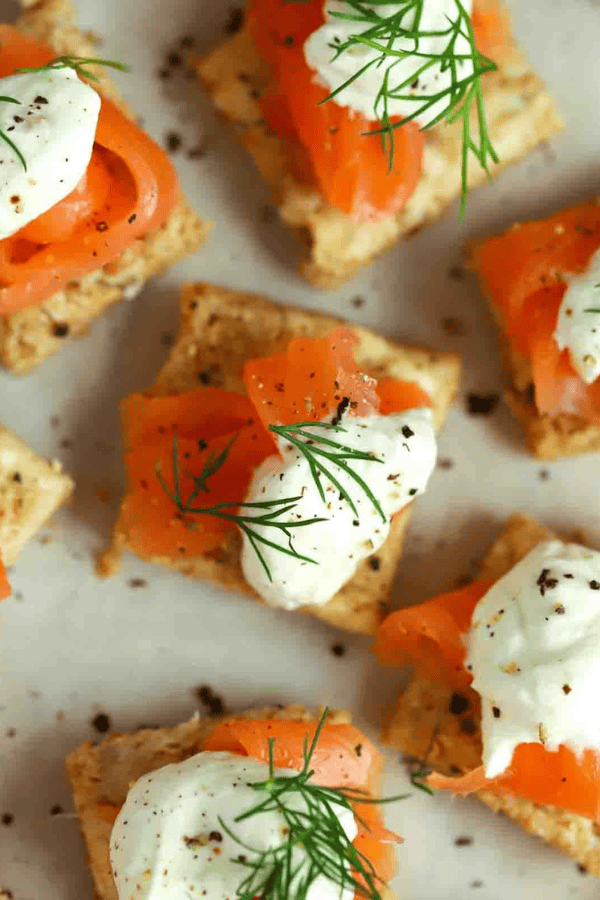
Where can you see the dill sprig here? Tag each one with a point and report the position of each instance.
(422, 770)
(321, 454)
(79, 63)
(311, 826)
(5, 137)
(319, 450)
(269, 512)
(464, 93)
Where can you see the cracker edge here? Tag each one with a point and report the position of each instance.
(521, 115)
(29, 336)
(362, 603)
(41, 488)
(426, 703)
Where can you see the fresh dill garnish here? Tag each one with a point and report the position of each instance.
(319, 450)
(423, 770)
(321, 454)
(381, 32)
(79, 63)
(269, 512)
(416, 779)
(6, 138)
(311, 826)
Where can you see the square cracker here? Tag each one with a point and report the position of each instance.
(30, 335)
(100, 776)
(547, 437)
(521, 115)
(423, 724)
(31, 489)
(221, 329)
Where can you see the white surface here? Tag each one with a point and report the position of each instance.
(72, 646)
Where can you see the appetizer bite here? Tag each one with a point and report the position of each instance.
(272, 801)
(90, 206)
(504, 699)
(542, 280)
(278, 453)
(31, 490)
(368, 120)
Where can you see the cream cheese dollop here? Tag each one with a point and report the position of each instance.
(577, 329)
(404, 443)
(361, 94)
(168, 842)
(534, 652)
(53, 126)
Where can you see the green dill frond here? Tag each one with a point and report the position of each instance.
(312, 825)
(79, 63)
(381, 31)
(323, 455)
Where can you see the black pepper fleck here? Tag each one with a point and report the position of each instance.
(482, 404)
(458, 704)
(338, 649)
(8, 819)
(375, 563)
(495, 712)
(235, 21)
(56, 810)
(61, 329)
(101, 723)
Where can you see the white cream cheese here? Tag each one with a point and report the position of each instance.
(404, 443)
(577, 330)
(361, 94)
(168, 843)
(534, 651)
(53, 126)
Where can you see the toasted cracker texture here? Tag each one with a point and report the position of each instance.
(425, 725)
(220, 331)
(101, 776)
(31, 489)
(520, 113)
(30, 335)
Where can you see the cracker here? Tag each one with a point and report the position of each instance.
(424, 725)
(30, 335)
(31, 489)
(100, 776)
(521, 115)
(221, 329)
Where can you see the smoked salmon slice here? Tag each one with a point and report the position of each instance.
(524, 273)
(313, 380)
(4, 585)
(351, 169)
(343, 758)
(431, 637)
(130, 189)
